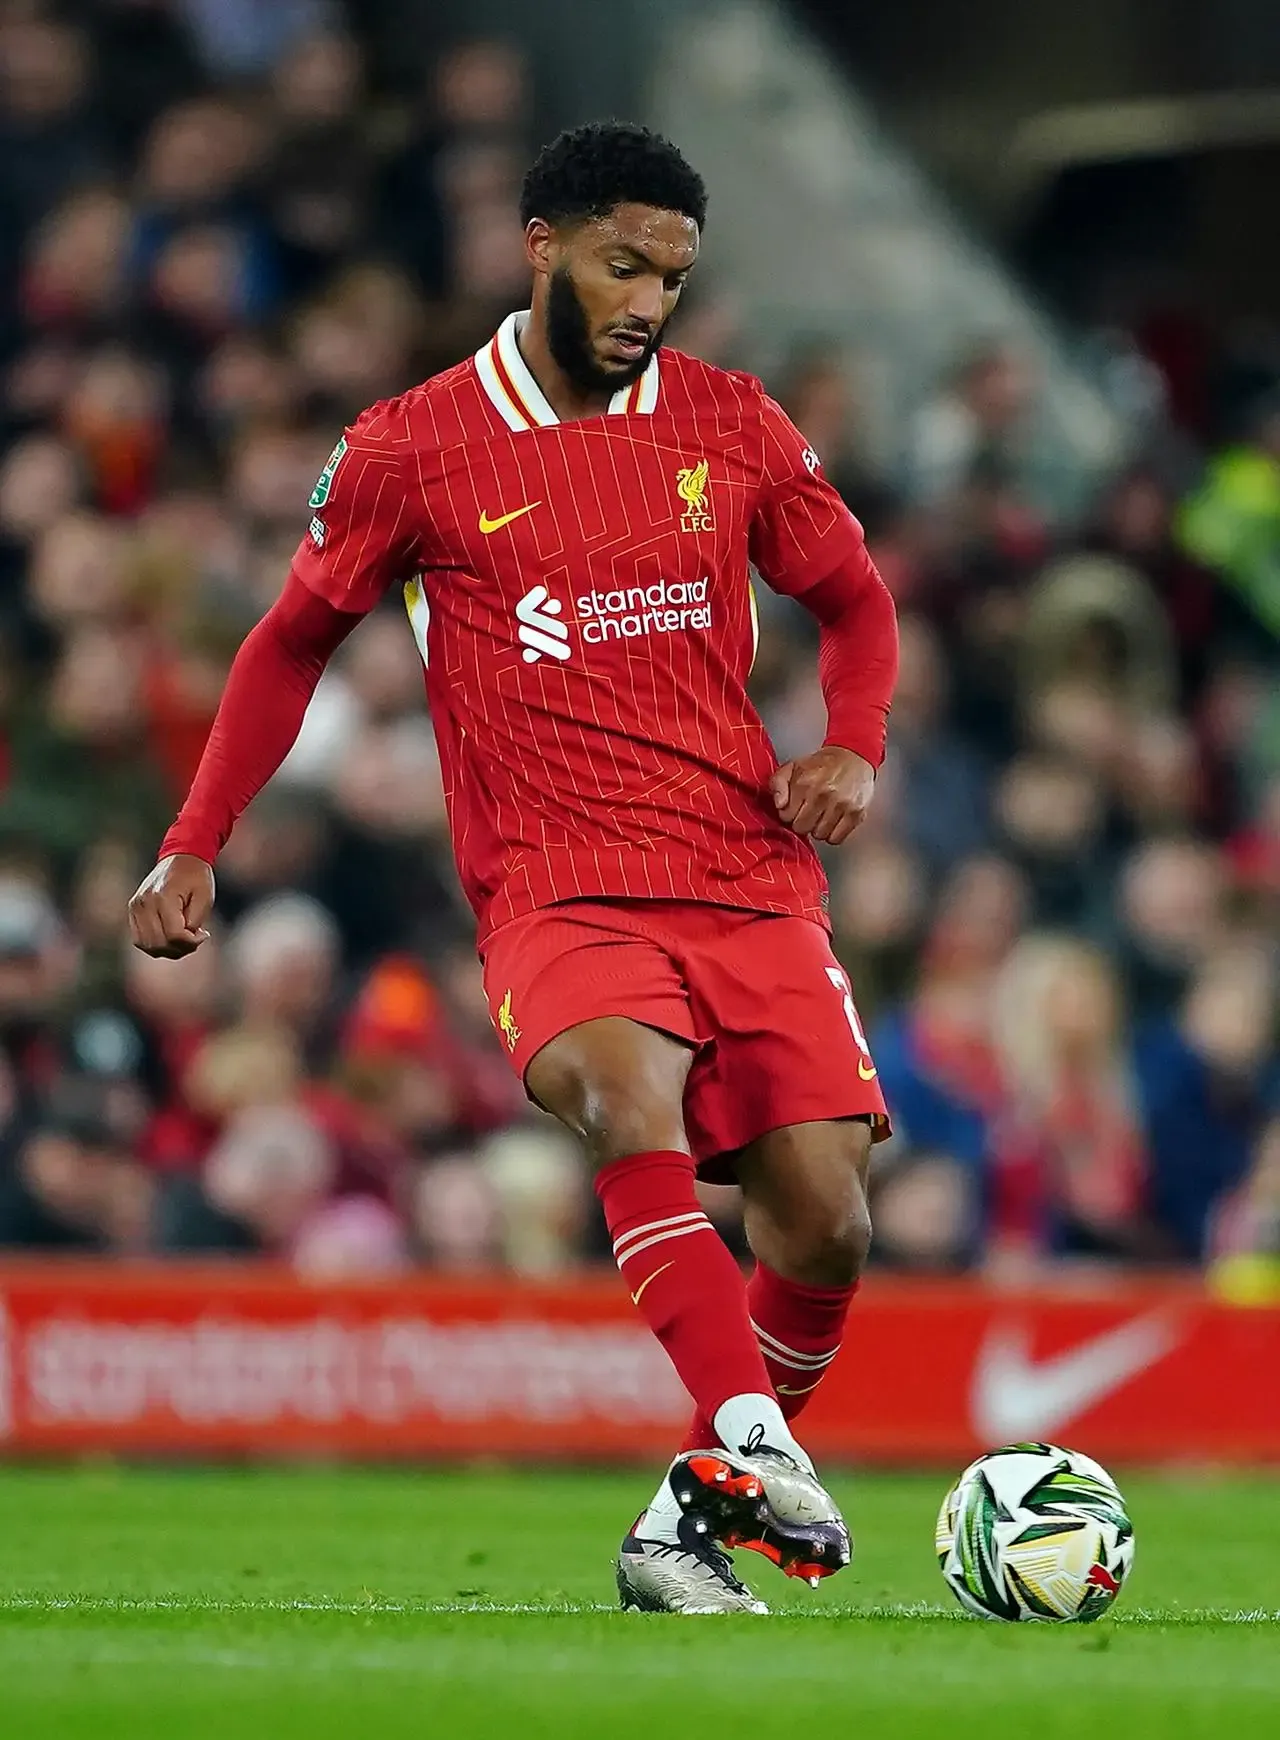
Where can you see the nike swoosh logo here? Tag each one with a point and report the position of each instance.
(786, 1389)
(488, 526)
(866, 1071)
(635, 1297)
(1016, 1398)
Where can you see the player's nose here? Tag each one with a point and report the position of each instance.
(644, 305)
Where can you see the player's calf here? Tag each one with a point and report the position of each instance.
(806, 1209)
(614, 1075)
(805, 1203)
(808, 1223)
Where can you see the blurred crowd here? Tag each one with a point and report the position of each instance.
(221, 236)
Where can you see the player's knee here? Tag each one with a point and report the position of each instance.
(822, 1240)
(810, 1221)
(830, 1248)
(617, 1122)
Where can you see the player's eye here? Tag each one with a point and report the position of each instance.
(675, 282)
(621, 271)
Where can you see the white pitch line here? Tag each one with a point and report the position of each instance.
(201, 1604)
(905, 1610)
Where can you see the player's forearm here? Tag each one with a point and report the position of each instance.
(268, 690)
(857, 654)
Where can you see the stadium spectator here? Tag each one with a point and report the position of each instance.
(1208, 1080)
(1050, 812)
(942, 811)
(240, 38)
(282, 957)
(1068, 1168)
(1171, 903)
(322, 166)
(978, 424)
(536, 1178)
(72, 1180)
(878, 905)
(936, 1053)
(926, 1208)
(456, 1215)
(1244, 1240)
(48, 140)
(1231, 523)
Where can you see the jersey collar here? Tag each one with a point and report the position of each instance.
(521, 402)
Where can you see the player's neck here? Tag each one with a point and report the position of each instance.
(566, 400)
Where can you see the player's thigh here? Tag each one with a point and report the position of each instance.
(596, 1021)
(617, 1084)
(789, 1047)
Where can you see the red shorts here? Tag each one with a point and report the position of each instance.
(759, 997)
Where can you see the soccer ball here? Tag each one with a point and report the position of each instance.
(1034, 1532)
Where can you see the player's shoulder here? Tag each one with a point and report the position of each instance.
(430, 415)
(706, 383)
(725, 393)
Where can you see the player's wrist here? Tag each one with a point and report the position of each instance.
(873, 755)
(189, 843)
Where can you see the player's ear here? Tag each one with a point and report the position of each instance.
(537, 244)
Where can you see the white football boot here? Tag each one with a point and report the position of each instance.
(687, 1575)
(761, 1498)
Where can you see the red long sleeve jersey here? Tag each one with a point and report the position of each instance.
(580, 595)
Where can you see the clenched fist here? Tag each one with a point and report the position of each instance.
(824, 795)
(167, 915)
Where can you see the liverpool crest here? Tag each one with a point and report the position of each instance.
(691, 487)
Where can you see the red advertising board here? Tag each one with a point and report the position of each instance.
(232, 1359)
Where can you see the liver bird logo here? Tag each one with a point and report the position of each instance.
(507, 1023)
(691, 484)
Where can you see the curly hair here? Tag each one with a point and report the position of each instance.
(589, 170)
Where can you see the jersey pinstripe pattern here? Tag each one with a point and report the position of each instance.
(586, 659)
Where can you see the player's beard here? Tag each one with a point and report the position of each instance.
(569, 340)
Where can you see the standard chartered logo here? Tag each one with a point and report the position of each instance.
(665, 607)
(540, 630)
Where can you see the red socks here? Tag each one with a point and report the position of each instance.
(773, 1337)
(799, 1330)
(682, 1277)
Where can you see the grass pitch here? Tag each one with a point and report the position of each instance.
(321, 1604)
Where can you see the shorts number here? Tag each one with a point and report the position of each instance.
(840, 979)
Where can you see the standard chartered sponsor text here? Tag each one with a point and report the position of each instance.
(664, 607)
(326, 1370)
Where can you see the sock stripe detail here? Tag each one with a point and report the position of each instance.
(809, 1370)
(795, 1352)
(779, 1352)
(678, 1232)
(650, 1226)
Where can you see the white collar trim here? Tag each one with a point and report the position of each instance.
(508, 381)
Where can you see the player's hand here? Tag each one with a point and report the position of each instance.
(168, 914)
(824, 795)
